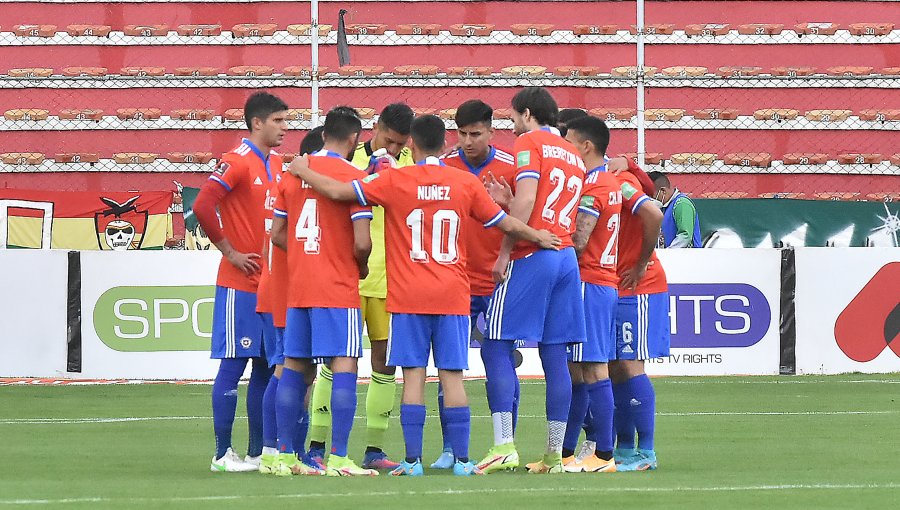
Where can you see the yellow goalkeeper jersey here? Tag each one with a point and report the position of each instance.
(375, 285)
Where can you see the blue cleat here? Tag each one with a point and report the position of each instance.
(465, 469)
(445, 461)
(378, 460)
(644, 461)
(311, 461)
(317, 455)
(625, 455)
(409, 469)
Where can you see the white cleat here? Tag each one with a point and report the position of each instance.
(588, 448)
(253, 460)
(231, 463)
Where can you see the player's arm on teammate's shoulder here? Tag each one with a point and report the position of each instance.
(617, 165)
(331, 188)
(362, 246)
(651, 220)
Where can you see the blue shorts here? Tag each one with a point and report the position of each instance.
(237, 330)
(413, 336)
(540, 300)
(273, 340)
(600, 322)
(323, 333)
(642, 326)
(478, 310)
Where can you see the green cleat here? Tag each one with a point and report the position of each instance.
(343, 466)
(268, 464)
(551, 464)
(502, 457)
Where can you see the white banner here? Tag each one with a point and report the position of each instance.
(848, 310)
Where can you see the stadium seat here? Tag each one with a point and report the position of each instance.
(828, 115)
(418, 29)
(738, 72)
(84, 71)
(253, 29)
(138, 113)
(89, 30)
(723, 194)
(22, 158)
(503, 113)
(655, 29)
(849, 71)
(302, 71)
(663, 114)
(777, 114)
(595, 29)
(837, 195)
(143, 71)
(35, 30)
(366, 28)
(77, 157)
(196, 71)
(577, 71)
(631, 71)
(360, 71)
(233, 115)
(146, 30)
(889, 71)
(304, 30)
(472, 29)
(895, 160)
(366, 113)
(716, 114)
(539, 29)
(782, 194)
(749, 159)
(816, 28)
(760, 29)
(524, 71)
(650, 158)
(792, 71)
(613, 113)
(447, 113)
(424, 111)
(804, 158)
(884, 196)
(707, 29)
(199, 30)
(26, 114)
(470, 71)
(300, 114)
(860, 158)
(871, 28)
(30, 72)
(685, 71)
(694, 158)
(880, 114)
(416, 70)
(193, 114)
(134, 158)
(251, 71)
(190, 157)
(81, 114)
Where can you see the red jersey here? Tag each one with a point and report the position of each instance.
(632, 235)
(271, 296)
(247, 174)
(426, 208)
(543, 155)
(483, 246)
(602, 198)
(322, 270)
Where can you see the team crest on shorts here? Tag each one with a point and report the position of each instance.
(246, 342)
(120, 227)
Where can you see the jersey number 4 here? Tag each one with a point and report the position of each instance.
(573, 185)
(444, 236)
(307, 229)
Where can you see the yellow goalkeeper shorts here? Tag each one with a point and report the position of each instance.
(376, 317)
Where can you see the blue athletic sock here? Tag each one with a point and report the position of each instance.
(515, 409)
(256, 390)
(343, 407)
(577, 411)
(589, 433)
(622, 420)
(270, 427)
(501, 375)
(412, 420)
(288, 404)
(224, 401)
(642, 403)
(301, 432)
(447, 444)
(559, 381)
(459, 421)
(600, 396)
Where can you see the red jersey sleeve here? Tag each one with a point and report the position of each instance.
(591, 200)
(632, 196)
(527, 159)
(483, 208)
(373, 189)
(230, 172)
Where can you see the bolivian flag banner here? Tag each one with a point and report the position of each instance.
(84, 220)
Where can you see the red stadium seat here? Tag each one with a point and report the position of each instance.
(425, 111)
(738, 72)
(22, 158)
(792, 71)
(871, 28)
(366, 113)
(134, 158)
(685, 71)
(782, 194)
(196, 71)
(828, 115)
(447, 113)
(26, 114)
(895, 160)
(250, 71)
(880, 114)
(503, 113)
(199, 30)
(663, 114)
(138, 113)
(301, 114)
(750, 159)
(193, 114)
(366, 28)
(884, 196)
(577, 71)
(541, 29)
(849, 71)
(716, 114)
(655, 28)
(418, 29)
(254, 29)
(303, 71)
(30, 72)
(838, 195)
(524, 71)
(816, 28)
(77, 157)
(472, 29)
(595, 29)
(778, 114)
(631, 71)
(81, 114)
(143, 71)
(304, 30)
(859, 158)
(890, 71)
(190, 157)
(694, 158)
(84, 71)
(650, 158)
(146, 30)
(360, 71)
(708, 29)
(723, 194)
(416, 70)
(34, 30)
(233, 115)
(804, 158)
(89, 30)
(470, 71)
(760, 29)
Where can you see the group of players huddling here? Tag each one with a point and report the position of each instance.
(552, 242)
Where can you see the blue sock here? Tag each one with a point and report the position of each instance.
(501, 375)
(270, 428)
(301, 432)
(288, 405)
(643, 409)
(622, 420)
(343, 407)
(412, 420)
(224, 401)
(515, 409)
(589, 433)
(459, 421)
(577, 412)
(559, 381)
(256, 390)
(447, 444)
(601, 414)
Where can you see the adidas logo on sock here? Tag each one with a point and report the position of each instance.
(323, 409)
(635, 402)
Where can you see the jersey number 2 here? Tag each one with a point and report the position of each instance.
(611, 252)
(444, 236)
(308, 229)
(558, 180)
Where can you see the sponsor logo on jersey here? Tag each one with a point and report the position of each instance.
(628, 190)
(523, 158)
(370, 178)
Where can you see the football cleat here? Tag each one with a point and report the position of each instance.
(253, 460)
(230, 463)
(313, 462)
(378, 460)
(466, 469)
(445, 461)
(289, 465)
(644, 461)
(268, 464)
(343, 466)
(551, 464)
(588, 448)
(625, 455)
(318, 455)
(409, 469)
(591, 464)
(502, 457)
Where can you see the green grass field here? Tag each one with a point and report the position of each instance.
(735, 442)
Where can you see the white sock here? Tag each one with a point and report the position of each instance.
(503, 429)
(556, 431)
(269, 451)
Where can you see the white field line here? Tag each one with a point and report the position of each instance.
(462, 492)
(78, 421)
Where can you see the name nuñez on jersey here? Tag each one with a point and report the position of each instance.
(433, 192)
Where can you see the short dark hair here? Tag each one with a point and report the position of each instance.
(567, 115)
(539, 102)
(260, 105)
(428, 133)
(660, 180)
(592, 129)
(342, 122)
(474, 111)
(397, 117)
(313, 141)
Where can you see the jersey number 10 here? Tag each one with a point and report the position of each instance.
(444, 236)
